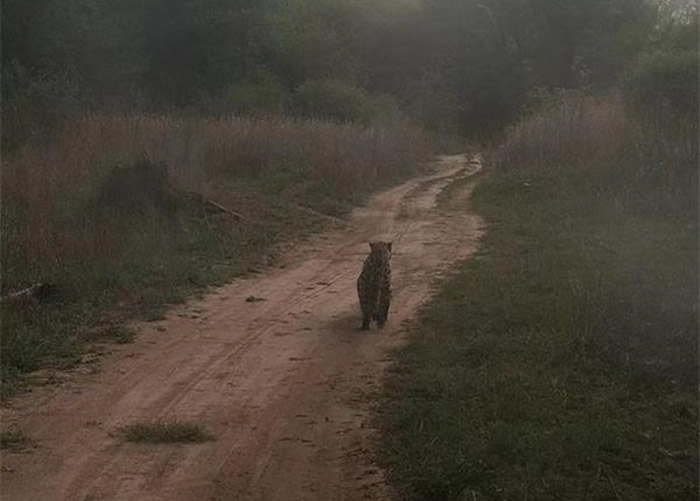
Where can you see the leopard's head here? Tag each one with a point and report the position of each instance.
(381, 249)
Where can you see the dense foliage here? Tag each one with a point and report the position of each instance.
(458, 65)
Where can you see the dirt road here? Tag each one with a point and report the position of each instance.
(283, 383)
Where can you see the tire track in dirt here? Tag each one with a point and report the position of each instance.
(284, 384)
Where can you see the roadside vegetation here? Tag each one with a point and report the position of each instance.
(124, 215)
(560, 362)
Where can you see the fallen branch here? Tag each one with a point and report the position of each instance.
(31, 296)
(316, 213)
(219, 208)
(226, 210)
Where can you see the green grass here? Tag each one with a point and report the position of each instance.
(13, 440)
(561, 361)
(165, 432)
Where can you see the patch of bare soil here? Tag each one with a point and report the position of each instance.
(272, 366)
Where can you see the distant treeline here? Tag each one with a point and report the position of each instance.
(456, 65)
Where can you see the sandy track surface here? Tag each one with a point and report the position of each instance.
(283, 383)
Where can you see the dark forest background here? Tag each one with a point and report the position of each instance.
(457, 65)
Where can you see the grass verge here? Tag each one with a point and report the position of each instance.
(561, 361)
(165, 432)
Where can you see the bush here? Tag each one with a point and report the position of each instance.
(661, 93)
(262, 93)
(33, 104)
(333, 100)
(665, 85)
(386, 107)
(135, 189)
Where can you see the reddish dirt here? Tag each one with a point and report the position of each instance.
(285, 384)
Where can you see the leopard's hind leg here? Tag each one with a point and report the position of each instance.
(381, 314)
(367, 301)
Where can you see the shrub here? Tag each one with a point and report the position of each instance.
(333, 100)
(262, 93)
(34, 104)
(665, 85)
(135, 189)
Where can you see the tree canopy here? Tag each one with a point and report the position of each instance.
(457, 65)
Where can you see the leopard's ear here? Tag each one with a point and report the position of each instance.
(388, 246)
(372, 245)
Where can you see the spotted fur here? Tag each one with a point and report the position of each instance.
(374, 285)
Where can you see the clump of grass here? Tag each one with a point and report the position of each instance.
(13, 440)
(165, 432)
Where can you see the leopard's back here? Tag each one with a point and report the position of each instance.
(374, 285)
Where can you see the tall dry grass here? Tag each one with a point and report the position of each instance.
(196, 150)
(627, 188)
(575, 130)
(42, 183)
(639, 157)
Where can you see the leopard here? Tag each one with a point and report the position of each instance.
(374, 285)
